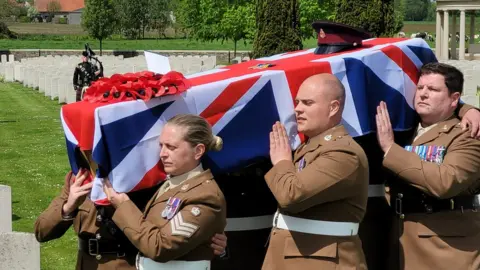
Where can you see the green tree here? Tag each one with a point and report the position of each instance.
(201, 19)
(134, 17)
(53, 7)
(98, 19)
(416, 10)
(392, 22)
(278, 27)
(187, 15)
(314, 10)
(432, 12)
(10, 9)
(32, 11)
(160, 16)
(211, 14)
(375, 16)
(5, 11)
(238, 23)
(399, 6)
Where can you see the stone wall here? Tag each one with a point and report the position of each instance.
(223, 57)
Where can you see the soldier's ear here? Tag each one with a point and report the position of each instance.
(334, 107)
(455, 99)
(199, 150)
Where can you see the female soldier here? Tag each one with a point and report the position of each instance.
(175, 229)
(102, 245)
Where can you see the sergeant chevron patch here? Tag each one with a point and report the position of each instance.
(180, 227)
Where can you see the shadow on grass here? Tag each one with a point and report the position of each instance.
(15, 217)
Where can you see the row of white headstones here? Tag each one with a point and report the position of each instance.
(53, 75)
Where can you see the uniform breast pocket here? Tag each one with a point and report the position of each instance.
(83, 217)
(305, 255)
(449, 235)
(447, 228)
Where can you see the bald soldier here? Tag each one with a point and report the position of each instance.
(321, 193)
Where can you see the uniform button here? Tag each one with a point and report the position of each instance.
(98, 236)
(99, 218)
(98, 257)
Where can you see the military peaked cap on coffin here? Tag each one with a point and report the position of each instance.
(336, 37)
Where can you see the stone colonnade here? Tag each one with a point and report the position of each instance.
(447, 9)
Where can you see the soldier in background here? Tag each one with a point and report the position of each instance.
(250, 209)
(83, 76)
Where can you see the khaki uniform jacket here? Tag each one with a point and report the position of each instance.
(448, 239)
(50, 225)
(333, 186)
(375, 229)
(186, 236)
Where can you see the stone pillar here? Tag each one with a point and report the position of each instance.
(472, 32)
(453, 39)
(438, 35)
(461, 51)
(445, 35)
(5, 209)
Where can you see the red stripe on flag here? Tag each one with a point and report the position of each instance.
(291, 63)
(154, 176)
(227, 99)
(403, 61)
(80, 119)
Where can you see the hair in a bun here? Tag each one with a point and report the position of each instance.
(198, 131)
(217, 144)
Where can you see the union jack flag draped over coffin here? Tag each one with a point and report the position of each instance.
(242, 103)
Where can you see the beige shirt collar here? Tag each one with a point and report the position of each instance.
(179, 179)
(421, 130)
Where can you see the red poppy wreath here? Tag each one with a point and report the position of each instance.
(132, 86)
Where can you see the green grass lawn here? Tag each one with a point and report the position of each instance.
(33, 162)
(57, 36)
(122, 44)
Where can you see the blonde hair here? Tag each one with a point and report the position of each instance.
(197, 131)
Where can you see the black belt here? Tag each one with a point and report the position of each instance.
(94, 247)
(427, 204)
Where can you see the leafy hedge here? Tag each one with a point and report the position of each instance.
(62, 20)
(375, 16)
(278, 27)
